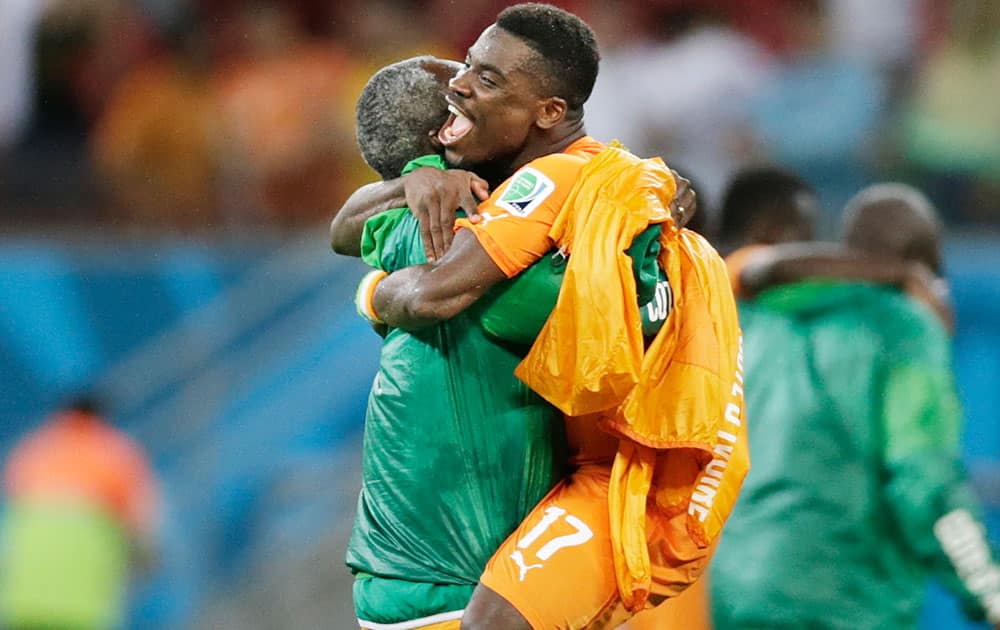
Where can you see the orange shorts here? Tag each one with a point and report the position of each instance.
(687, 611)
(557, 568)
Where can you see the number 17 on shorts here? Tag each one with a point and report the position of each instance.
(548, 545)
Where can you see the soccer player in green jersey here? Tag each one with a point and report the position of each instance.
(456, 450)
(857, 494)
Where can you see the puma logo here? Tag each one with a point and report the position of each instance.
(518, 559)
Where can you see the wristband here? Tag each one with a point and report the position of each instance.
(365, 293)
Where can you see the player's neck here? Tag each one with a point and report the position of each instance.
(556, 140)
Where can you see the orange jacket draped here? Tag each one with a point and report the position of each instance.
(678, 404)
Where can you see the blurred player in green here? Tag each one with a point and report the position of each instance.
(857, 495)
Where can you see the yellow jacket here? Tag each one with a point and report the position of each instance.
(678, 404)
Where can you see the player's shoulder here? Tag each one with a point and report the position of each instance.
(899, 310)
(565, 164)
(555, 166)
(535, 182)
(546, 178)
(908, 327)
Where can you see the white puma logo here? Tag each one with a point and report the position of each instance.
(518, 559)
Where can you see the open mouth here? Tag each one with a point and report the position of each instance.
(455, 128)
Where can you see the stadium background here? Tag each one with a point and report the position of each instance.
(167, 169)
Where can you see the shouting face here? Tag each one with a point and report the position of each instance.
(495, 101)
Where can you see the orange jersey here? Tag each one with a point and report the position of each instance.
(519, 215)
(677, 403)
(688, 611)
(517, 219)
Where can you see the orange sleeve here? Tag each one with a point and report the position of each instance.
(735, 264)
(519, 214)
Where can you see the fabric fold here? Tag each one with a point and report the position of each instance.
(678, 404)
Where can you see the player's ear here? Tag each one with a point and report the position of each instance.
(551, 112)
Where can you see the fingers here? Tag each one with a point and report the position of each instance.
(434, 224)
(689, 201)
(422, 214)
(685, 202)
(479, 187)
(424, 196)
(481, 192)
(434, 196)
(446, 226)
(470, 205)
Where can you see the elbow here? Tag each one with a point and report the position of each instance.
(334, 243)
(342, 240)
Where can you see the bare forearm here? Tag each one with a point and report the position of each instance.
(367, 201)
(412, 298)
(422, 295)
(840, 268)
(786, 264)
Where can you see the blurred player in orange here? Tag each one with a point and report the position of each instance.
(82, 507)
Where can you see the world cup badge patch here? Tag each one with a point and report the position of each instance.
(526, 191)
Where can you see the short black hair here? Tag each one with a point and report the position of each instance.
(761, 195)
(399, 106)
(892, 219)
(87, 403)
(566, 44)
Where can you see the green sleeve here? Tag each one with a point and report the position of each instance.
(516, 310)
(377, 242)
(376, 238)
(926, 486)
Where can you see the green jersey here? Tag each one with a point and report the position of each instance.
(64, 566)
(456, 452)
(857, 494)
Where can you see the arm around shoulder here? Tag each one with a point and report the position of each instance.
(423, 295)
(369, 200)
(794, 262)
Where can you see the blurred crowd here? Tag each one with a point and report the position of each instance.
(193, 114)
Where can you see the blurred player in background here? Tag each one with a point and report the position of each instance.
(81, 509)
(519, 103)
(857, 494)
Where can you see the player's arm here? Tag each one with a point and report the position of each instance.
(926, 488)
(349, 221)
(794, 262)
(432, 195)
(513, 234)
(422, 295)
(783, 264)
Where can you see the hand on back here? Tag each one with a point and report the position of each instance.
(434, 196)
